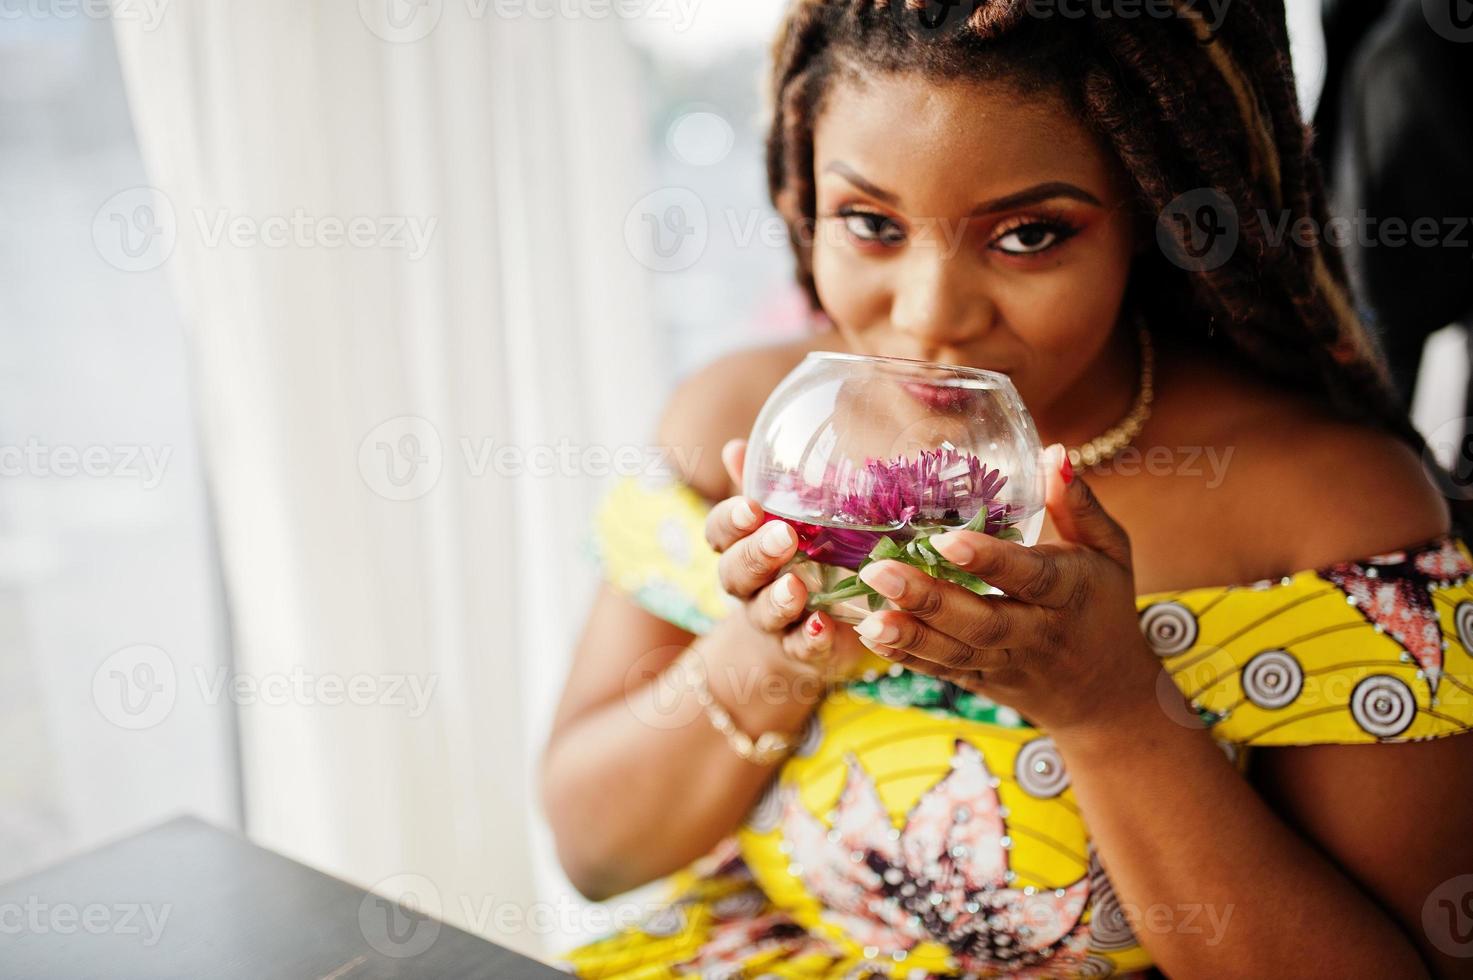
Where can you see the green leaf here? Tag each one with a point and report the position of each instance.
(885, 548)
(818, 600)
(978, 522)
(927, 551)
(917, 553)
(965, 579)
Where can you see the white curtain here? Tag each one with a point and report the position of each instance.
(484, 322)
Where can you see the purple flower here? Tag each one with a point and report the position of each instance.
(832, 545)
(941, 487)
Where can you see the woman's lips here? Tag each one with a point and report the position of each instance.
(940, 397)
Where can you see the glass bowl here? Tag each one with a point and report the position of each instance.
(866, 457)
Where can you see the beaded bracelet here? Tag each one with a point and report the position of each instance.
(767, 748)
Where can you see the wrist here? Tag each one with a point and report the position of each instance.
(752, 678)
(761, 659)
(757, 747)
(1130, 734)
(1122, 702)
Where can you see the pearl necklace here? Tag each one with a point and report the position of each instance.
(1117, 437)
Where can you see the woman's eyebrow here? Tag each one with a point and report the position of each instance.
(850, 174)
(1035, 194)
(1031, 195)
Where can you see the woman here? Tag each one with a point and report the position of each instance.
(1168, 747)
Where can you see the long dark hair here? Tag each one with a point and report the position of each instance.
(1195, 111)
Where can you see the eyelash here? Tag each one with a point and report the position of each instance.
(1061, 229)
(848, 213)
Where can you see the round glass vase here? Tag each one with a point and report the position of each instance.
(867, 457)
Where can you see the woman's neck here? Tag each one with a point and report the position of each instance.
(1101, 397)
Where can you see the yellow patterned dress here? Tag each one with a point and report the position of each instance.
(921, 831)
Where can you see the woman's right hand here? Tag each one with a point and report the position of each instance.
(753, 551)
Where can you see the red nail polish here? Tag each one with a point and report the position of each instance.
(815, 625)
(1066, 470)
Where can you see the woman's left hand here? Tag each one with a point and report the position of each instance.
(1063, 647)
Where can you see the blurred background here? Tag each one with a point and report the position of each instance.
(325, 325)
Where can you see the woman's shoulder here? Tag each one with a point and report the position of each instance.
(1321, 488)
(719, 401)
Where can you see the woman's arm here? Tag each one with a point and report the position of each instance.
(1328, 870)
(1220, 884)
(1397, 819)
(635, 780)
(1216, 884)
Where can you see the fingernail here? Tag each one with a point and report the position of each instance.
(814, 625)
(872, 628)
(884, 579)
(819, 644)
(776, 539)
(954, 548)
(879, 651)
(743, 516)
(782, 590)
(1066, 469)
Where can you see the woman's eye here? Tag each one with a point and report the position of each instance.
(1031, 239)
(870, 227)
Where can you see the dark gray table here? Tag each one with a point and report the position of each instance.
(191, 901)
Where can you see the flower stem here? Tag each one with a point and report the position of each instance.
(917, 553)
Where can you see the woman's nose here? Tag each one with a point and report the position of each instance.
(937, 298)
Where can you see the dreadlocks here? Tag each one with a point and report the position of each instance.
(1185, 107)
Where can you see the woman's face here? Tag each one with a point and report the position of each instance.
(962, 222)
